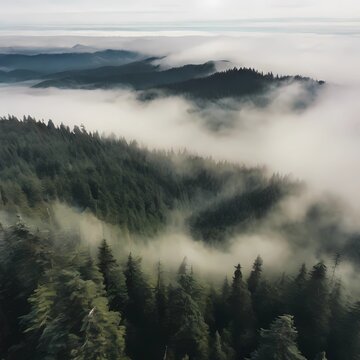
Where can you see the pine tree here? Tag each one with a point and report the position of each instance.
(138, 311)
(313, 325)
(217, 352)
(336, 322)
(241, 313)
(350, 346)
(160, 314)
(279, 342)
(114, 280)
(71, 319)
(25, 255)
(188, 330)
(255, 275)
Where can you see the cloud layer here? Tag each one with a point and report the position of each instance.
(44, 11)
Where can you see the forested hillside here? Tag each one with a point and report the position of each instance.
(118, 181)
(237, 82)
(57, 301)
(60, 299)
(138, 75)
(114, 69)
(49, 63)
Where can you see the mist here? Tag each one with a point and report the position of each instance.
(318, 145)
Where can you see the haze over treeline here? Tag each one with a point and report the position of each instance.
(188, 197)
(67, 294)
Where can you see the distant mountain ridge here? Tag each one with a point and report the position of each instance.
(50, 63)
(236, 82)
(126, 69)
(139, 75)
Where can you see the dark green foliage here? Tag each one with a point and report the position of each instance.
(350, 334)
(217, 351)
(279, 342)
(24, 257)
(138, 75)
(255, 275)
(187, 328)
(54, 304)
(114, 280)
(46, 63)
(53, 300)
(138, 311)
(57, 301)
(242, 82)
(71, 320)
(242, 322)
(123, 184)
(313, 324)
(240, 210)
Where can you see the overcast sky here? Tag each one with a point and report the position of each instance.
(41, 12)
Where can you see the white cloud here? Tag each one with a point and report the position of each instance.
(89, 11)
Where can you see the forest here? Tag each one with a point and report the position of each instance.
(60, 301)
(64, 298)
(148, 76)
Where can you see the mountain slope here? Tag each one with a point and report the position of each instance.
(49, 63)
(117, 181)
(140, 190)
(19, 75)
(138, 75)
(235, 83)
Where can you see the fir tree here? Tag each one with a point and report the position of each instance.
(241, 313)
(114, 280)
(255, 275)
(217, 352)
(279, 343)
(313, 325)
(138, 311)
(188, 330)
(71, 319)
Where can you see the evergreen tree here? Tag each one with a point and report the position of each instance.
(71, 320)
(336, 323)
(279, 343)
(160, 314)
(138, 311)
(314, 325)
(114, 280)
(188, 330)
(241, 313)
(350, 344)
(25, 255)
(217, 352)
(255, 275)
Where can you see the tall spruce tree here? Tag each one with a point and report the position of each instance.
(241, 313)
(217, 351)
(255, 275)
(114, 280)
(71, 320)
(279, 342)
(314, 323)
(350, 346)
(188, 330)
(138, 311)
(160, 315)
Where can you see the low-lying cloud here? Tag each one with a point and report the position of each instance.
(319, 145)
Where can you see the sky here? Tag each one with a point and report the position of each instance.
(45, 12)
